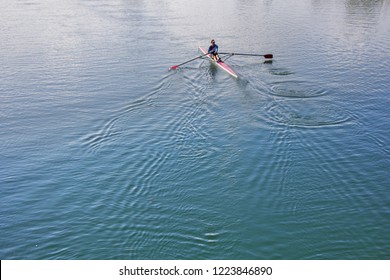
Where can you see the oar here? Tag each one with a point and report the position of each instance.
(268, 56)
(176, 66)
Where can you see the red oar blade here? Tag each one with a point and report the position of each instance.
(268, 56)
(174, 67)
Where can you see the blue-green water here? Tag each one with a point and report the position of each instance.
(105, 154)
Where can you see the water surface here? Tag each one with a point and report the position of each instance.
(106, 154)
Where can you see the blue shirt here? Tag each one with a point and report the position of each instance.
(213, 48)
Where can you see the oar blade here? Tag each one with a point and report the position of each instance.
(174, 67)
(268, 56)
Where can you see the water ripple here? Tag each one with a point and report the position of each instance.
(280, 71)
(296, 89)
(308, 113)
(105, 130)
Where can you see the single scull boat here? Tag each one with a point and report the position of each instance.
(221, 64)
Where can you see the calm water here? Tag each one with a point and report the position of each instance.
(105, 154)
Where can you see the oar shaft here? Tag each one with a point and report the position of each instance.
(190, 60)
(249, 54)
(176, 66)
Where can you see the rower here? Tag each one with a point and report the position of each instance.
(213, 51)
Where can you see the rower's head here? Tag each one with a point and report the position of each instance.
(212, 41)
